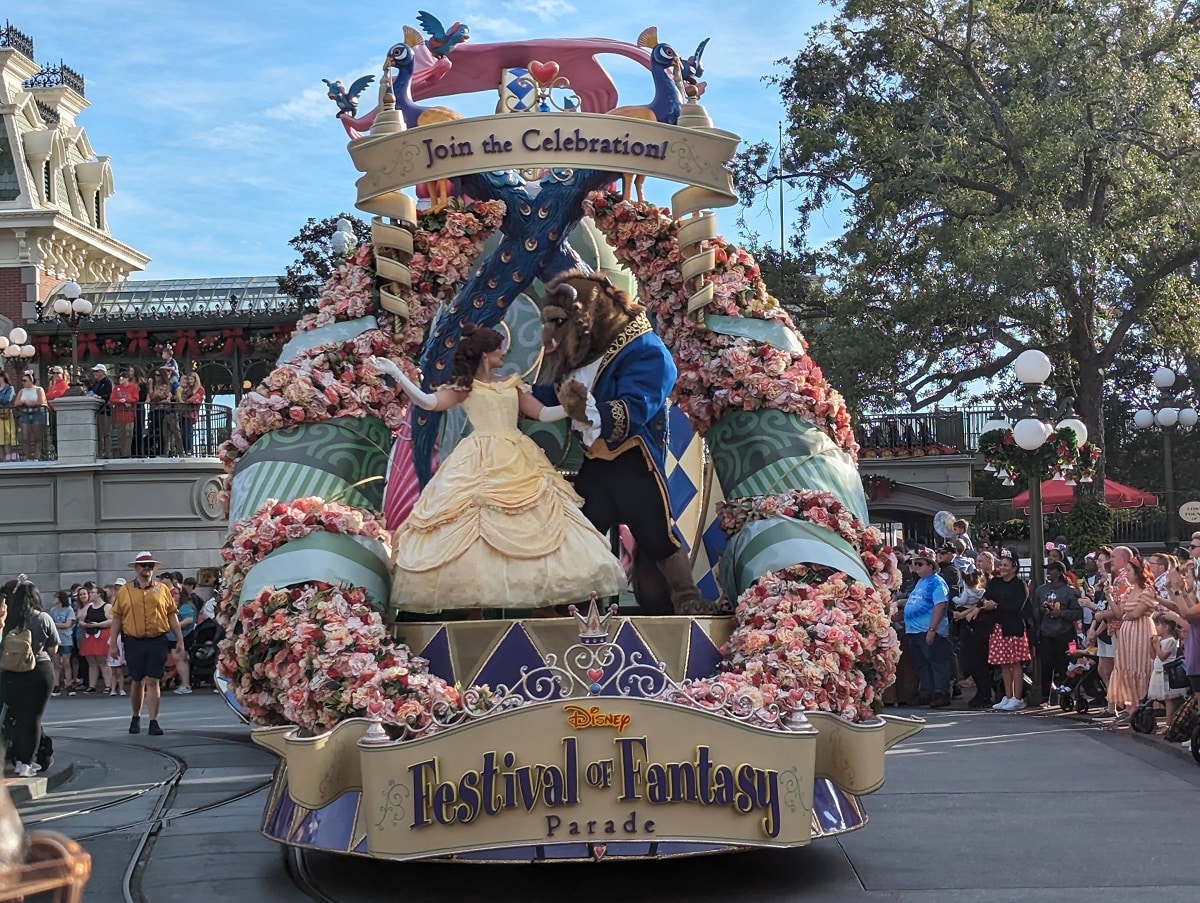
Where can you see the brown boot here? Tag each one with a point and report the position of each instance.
(685, 596)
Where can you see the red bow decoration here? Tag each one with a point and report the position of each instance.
(233, 342)
(138, 343)
(42, 343)
(185, 342)
(87, 345)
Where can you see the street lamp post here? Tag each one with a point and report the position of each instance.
(1167, 416)
(72, 309)
(15, 346)
(1031, 432)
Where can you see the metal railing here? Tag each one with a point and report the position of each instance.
(943, 430)
(26, 434)
(1131, 526)
(162, 430)
(956, 428)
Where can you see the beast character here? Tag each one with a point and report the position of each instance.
(607, 367)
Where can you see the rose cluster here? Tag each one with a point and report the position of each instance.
(815, 506)
(254, 537)
(808, 641)
(316, 654)
(717, 373)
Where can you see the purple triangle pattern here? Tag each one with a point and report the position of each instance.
(703, 655)
(437, 653)
(504, 665)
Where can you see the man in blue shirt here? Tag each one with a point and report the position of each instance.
(928, 631)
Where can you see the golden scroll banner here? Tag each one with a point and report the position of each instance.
(533, 141)
(594, 770)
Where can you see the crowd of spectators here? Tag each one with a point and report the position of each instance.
(151, 415)
(969, 618)
(161, 412)
(77, 646)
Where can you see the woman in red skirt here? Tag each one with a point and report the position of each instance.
(95, 619)
(1008, 647)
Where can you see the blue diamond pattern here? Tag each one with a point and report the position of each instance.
(679, 431)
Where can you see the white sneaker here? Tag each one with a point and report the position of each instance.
(1186, 744)
(182, 690)
(23, 770)
(1002, 705)
(1015, 705)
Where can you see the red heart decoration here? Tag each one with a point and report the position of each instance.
(594, 674)
(599, 849)
(543, 73)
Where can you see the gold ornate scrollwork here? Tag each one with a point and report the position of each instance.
(698, 261)
(393, 243)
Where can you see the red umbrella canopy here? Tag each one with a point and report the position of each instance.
(1058, 497)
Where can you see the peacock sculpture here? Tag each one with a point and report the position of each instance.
(666, 71)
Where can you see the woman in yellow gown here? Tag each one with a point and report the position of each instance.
(497, 526)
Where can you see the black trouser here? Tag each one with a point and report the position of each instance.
(26, 693)
(975, 658)
(1052, 656)
(626, 491)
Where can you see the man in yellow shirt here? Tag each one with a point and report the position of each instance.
(142, 614)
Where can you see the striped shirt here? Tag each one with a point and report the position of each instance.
(144, 613)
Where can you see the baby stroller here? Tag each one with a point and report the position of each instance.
(1082, 688)
(202, 656)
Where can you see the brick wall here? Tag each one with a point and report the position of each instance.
(13, 292)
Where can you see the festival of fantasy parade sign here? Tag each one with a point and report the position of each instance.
(604, 748)
(593, 770)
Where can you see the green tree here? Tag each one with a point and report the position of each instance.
(304, 277)
(1013, 175)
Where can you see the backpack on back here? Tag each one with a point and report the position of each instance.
(16, 651)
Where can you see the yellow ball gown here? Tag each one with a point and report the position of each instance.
(498, 526)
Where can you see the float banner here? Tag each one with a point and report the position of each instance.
(522, 141)
(591, 770)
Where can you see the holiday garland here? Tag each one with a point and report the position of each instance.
(1060, 455)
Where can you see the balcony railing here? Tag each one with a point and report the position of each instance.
(940, 432)
(162, 430)
(26, 434)
(905, 433)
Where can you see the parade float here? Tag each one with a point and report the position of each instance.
(601, 733)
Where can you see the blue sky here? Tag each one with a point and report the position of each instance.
(223, 142)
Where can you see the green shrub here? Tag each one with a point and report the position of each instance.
(1089, 526)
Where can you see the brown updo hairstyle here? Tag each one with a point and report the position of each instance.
(476, 342)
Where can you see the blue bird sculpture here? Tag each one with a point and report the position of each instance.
(442, 40)
(347, 101)
(693, 70)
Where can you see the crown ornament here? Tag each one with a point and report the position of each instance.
(593, 627)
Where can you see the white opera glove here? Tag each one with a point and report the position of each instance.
(385, 366)
(550, 414)
(426, 400)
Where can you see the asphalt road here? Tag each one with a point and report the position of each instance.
(979, 807)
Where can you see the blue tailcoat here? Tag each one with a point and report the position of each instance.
(631, 388)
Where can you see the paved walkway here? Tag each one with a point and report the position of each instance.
(979, 807)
